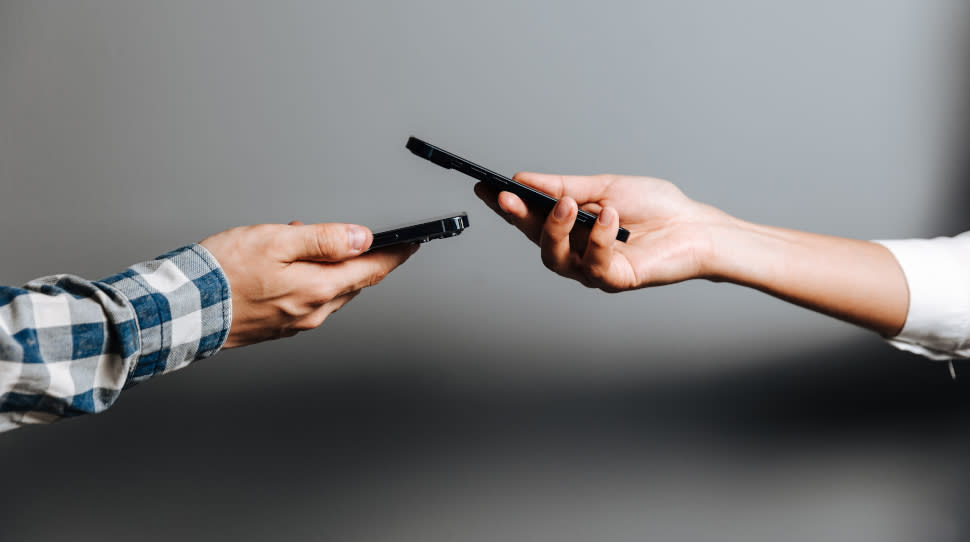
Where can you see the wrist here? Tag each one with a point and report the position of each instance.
(737, 252)
(718, 250)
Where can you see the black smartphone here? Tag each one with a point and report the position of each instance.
(532, 197)
(422, 231)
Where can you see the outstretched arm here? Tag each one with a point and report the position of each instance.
(674, 238)
(68, 346)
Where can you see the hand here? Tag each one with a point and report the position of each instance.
(288, 278)
(670, 235)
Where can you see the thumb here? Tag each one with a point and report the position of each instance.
(330, 242)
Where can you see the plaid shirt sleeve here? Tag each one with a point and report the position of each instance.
(68, 346)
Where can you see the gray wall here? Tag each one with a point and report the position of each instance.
(473, 395)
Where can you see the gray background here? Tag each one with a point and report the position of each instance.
(473, 395)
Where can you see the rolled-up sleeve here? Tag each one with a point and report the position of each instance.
(938, 275)
(69, 346)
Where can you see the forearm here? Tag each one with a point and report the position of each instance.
(856, 281)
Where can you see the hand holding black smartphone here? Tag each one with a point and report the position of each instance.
(531, 196)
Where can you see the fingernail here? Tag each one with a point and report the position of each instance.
(561, 210)
(499, 200)
(357, 236)
(606, 217)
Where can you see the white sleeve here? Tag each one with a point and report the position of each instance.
(938, 274)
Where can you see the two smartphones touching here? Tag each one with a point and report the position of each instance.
(453, 224)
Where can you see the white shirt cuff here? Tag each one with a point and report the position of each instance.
(938, 274)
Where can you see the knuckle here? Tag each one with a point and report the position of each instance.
(377, 276)
(311, 321)
(318, 243)
(318, 319)
(372, 277)
(323, 240)
(303, 325)
(599, 241)
(323, 293)
(555, 234)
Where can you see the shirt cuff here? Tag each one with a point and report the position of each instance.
(938, 275)
(183, 309)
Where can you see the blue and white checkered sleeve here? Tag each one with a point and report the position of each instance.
(68, 346)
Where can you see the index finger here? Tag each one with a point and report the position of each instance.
(336, 279)
(582, 188)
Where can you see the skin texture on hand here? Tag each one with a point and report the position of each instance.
(673, 238)
(289, 278)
